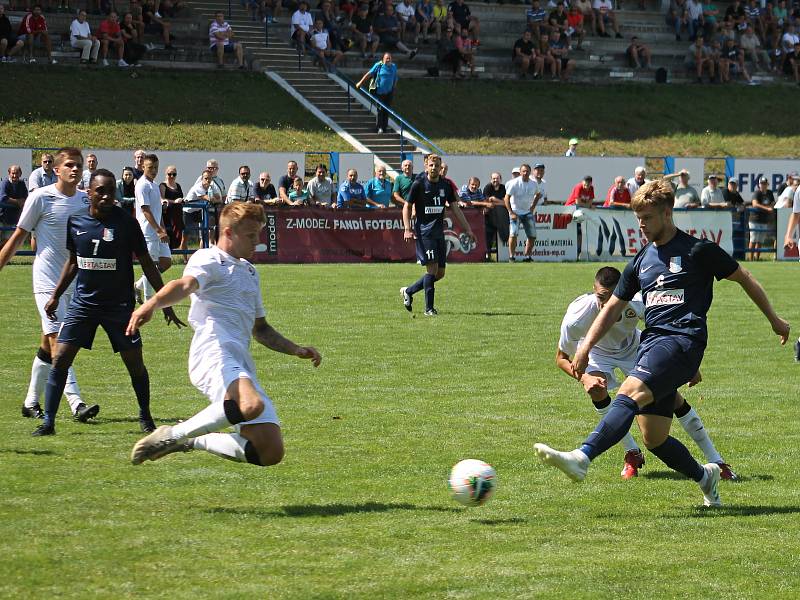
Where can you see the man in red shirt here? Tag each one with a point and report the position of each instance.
(110, 34)
(34, 26)
(618, 194)
(582, 194)
(575, 25)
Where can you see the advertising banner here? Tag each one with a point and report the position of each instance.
(312, 235)
(556, 237)
(748, 171)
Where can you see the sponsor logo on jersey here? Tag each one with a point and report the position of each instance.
(441, 193)
(630, 313)
(108, 235)
(664, 297)
(97, 264)
(434, 210)
(675, 264)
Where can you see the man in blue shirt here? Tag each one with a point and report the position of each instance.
(351, 193)
(675, 273)
(101, 241)
(384, 75)
(379, 190)
(13, 193)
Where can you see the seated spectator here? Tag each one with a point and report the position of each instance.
(685, 195)
(447, 53)
(525, 57)
(91, 167)
(298, 196)
(791, 63)
(363, 32)
(760, 219)
(241, 188)
(618, 194)
(559, 49)
(557, 20)
(582, 194)
(10, 44)
(440, 15)
(81, 38)
(536, 18)
(32, 28)
(409, 27)
(322, 48)
(575, 28)
(13, 193)
(220, 36)
(752, 49)
(549, 59)
(111, 34)
(388, 29)
(637, 52)
(153, 24)
(426, 21)
(755, 17)
(351, 192)
(694, 22)
(379, 190)
(44, 175)
(732, 62)
(134, 50)
(699, 58)
(286, 182)
(302, 23)
(463, 19)
(712, 196)
(172, 196)
(736, 13)
(585, 8)
(402, 183)
(466, 52)
(265, 192)
(638, 180)
(605, 16)
(471, 195)
(727, 31)
(321, 189)
(732, 196)
(678, 18)
(710, 23)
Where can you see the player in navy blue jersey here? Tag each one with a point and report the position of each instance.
(428, 197)
(101, 240)
(675, 273)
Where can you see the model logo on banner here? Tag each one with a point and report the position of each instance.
(610, 236)
(461, 242)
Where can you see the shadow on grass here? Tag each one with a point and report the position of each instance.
(493, 314)
(679, 477)
(325, 510)
(136, 420)
(740, 511)
(32, 452)
(495, 522)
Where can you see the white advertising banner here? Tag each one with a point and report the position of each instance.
(556, 237)
(748, 171)
(613, 234)
(783, 223)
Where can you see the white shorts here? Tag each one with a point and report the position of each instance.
(214, 374)
(157, 249)
(605, 364)
(49, 327)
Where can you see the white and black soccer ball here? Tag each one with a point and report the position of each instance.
(472, 482)
(579, 216)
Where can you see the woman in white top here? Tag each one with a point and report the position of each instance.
(81, 38)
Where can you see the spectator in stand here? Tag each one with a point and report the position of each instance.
(737, 14)
(732, 62)
(515, 171)
(43, 175)
(585, 8)
(427, 22)
(638, 180)
(298, 196)
(363, 32)
(351, 192)
(322, 47)
(732, 196)
(559, 48)
(557, 20)
(786, 197)
(302, 22)
(265, 192)
(755, 16)
(495, 217)
(678, 18)
(138, 163)
(384, 73)
(172, 202)
(637, 52)
(286, 182)
(149, 21)
(402, 183)
(126, 191)
(525, 57)
(379, 190)
(582, 194)
(536, 18)
(216, 195)
(605, 16)
(201, 192)
(409, 26)
(13, 193)
(81, 38)
(572, 151)
(752, 48)
(220, 37)
(33, 27)
(791, 60)
(466, 52)
(111, 34)
(699, 58)
(440, 15)
(780, 15)
(91, 167)
(727, 31)
(548, 57)
(134, 50)
(387, 27)
(321, 189)
(446, 52)
(10, 44)
(712, 196)
(522, 197)
(463, 19)
(618, 194)
(241, 189)
(710, 23)
(446, 179)
(575, 29)
(685, 195)
(760, 219)
(694, 13)
(471, 194)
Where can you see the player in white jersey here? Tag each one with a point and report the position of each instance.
(226, 312)
(46, 210)
(148, 213)
(618, 349)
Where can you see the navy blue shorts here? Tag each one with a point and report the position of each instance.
(80, 325)
(431, 250)
(666, 362)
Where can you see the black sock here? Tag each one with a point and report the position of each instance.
(416, 286)
(251, 454)
(56, 381)
(682, 410)
(612, 427)
(141, 386)
(678, 458)
(601, 404)
(44, 356)
(232, 412)
(428, 282)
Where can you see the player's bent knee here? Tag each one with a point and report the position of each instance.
(251, 406)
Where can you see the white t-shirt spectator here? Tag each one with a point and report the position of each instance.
(79, 29)
(241, 190)
(603, 5)
(789, 40)
(521, 194)
(633, 185)
(148, 194)
(786, 198)
(303, 20)
(709, 197)
(321, 191)
(319, 39)
(694, 9)
(404, 11)
(217, 28)
(796, 203)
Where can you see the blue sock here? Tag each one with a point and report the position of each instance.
(428, 282)
(56, 381)
(678, 458)
(416, 286)
(612, 428)
(141, 385)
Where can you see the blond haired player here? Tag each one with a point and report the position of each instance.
(226, 311)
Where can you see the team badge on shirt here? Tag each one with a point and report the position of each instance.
(108, 235)
(630, 313)
(675, 264)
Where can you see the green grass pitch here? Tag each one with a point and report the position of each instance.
(359, 508)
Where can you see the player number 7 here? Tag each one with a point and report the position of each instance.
(96, 246)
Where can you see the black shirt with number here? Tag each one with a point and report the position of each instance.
(429, 200)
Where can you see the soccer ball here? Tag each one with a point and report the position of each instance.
(472, 482)
(579, 216)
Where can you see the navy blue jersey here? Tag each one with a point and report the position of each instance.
(676, 280)
(429, 200)
(105, 250)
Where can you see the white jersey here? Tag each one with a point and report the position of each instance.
(224, 307)
(148, 194)
(620, 339)
(46, 212)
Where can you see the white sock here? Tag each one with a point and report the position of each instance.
(227, 445)
(693, 425)
(72, 391)
(40, 370)
(627, 441)
(208, 420)
(147, 289)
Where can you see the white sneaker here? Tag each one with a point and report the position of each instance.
(32, 61)
(2, 59)
(407, 298)
(105, 62)
(158, 444)
(158, 14)
(709, 484)
(122, 63)
(53, 61)
(574, 464)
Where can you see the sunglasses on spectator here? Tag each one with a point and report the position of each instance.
(47, 161)
(244, 173)
(171, 174)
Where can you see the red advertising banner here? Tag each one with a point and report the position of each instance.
(317, 235)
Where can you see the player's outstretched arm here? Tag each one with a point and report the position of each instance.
(11, 246)
(170, 294)
(154, 277)
(266, 335)
(68, 274)
(759, 297)
(604, 321)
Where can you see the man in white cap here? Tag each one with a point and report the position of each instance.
(514, 172)
(573, 147)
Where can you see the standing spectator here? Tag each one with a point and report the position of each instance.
(286, 182)
(200, 193)
(406, 14)
(699, 58)
(13, 193)
(618, 194)
(111, 34)
(760, 219)
(241, 188)
(426, 21)
(351, 192)
(33, 27)
(363, 31)
(496, 218)
(379, 190)
(138, 163)
(322, 47)
(148, 213)
(521, 200)
(463, 19)
(753, 49)
(685, 195)
(572, 151)
(298, 196)
(321, 189)
(605, 16)
(126, 191)
(134, 50)
(384, 73)
(536, 18)
(637, 52)
(302, 22)
(81, 38)
(10, 44)
(220, 36)
(582, 194)
(732, 196)
(678, 18)
(466, 52)
(638, 180)
(388, 29)
(91, 167)
(216, 195)
(265, 192)
(539, 182)
(787, 196)
(712, 196)
(524, 56)
(44, 175)
(172, 203)
(402, 183)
